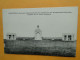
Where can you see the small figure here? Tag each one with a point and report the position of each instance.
(69, 37)
(65, 37)
(9, 36)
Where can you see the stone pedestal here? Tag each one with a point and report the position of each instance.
(38, 36)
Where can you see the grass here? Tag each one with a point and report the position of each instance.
(41, 47)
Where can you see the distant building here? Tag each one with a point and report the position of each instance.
(68, 37)
(25, 38)
(58, 38)
(48, 38)
(11, 36)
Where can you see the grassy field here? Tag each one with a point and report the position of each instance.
(38, 47)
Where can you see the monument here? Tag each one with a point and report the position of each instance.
(11, 36)
(68, 37)
(38, 33)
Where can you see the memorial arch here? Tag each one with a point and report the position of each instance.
(11, 36)
(68, 37)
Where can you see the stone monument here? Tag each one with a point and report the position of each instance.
(38, 33)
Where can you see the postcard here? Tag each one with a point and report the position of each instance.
(48, 31)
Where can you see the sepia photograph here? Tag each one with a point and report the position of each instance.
(40, 31)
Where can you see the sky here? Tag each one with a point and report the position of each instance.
(20, 22)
